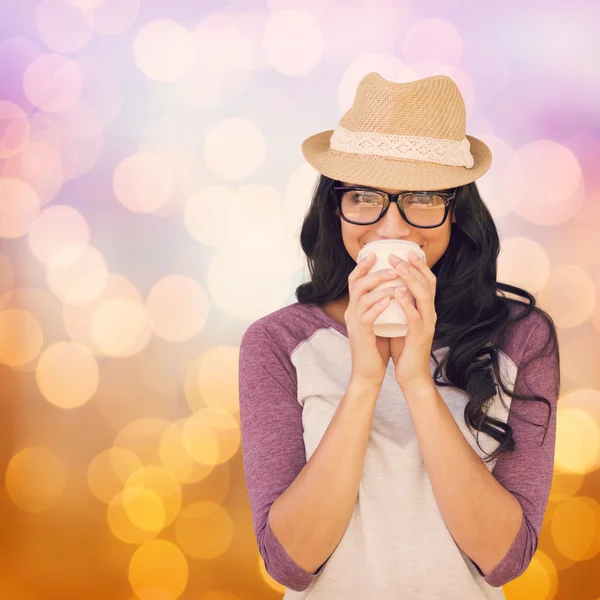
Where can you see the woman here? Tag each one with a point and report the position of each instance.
(416, 467)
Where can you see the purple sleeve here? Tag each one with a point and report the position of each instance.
(527, 472)
(272, 444)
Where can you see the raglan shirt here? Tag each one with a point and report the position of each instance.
(294, 368)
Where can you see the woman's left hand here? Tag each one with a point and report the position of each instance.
(411, 353)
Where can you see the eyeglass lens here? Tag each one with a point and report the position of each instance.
(365, 206)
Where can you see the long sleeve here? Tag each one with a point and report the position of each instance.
(527, 472)
(272, 444)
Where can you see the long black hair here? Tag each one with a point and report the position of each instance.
(470, 312)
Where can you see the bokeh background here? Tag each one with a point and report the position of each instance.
(151, 194)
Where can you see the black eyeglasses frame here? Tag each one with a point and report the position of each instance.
(340, 189)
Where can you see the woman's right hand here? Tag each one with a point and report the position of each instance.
(370, 353)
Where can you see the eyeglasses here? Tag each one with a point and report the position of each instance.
(363, 205)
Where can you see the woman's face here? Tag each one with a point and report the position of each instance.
(433, 242)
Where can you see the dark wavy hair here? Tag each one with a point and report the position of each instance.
(469, 310)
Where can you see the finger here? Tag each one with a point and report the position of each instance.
(412, 314)
(418, 287)
(361, 269)
(413, 272)
(424, 301)
(422, 267)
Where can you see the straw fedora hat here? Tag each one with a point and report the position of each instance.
(407, 135)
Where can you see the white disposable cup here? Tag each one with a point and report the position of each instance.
(392, 321)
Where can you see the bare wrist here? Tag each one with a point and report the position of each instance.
(364, 384)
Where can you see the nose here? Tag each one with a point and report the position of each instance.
(395, 208)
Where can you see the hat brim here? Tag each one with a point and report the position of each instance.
(393, 173)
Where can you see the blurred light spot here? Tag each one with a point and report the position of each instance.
(221, 594)
(190, 385)
(263, 273)
(209, 89)
(14, 129)
(101, 87)
(579, 358)
(256, 217)
(315, 7)
(153, 593)
(211, 436)
(578, 432)
(143, 182)
(542, 179)
(204, 530)
(161, 483)
(21, 337)
(75, 135)
(7, 278)
(293, 42)
(19, 207)
(61, 26)
(109, 470)
(81, 138)
(155, 375)
(167, 134)
(144, 508)
(175, 458)
(204, 218)
(126, 394)
(434, 40)
(523, 262)
(121, 526)
(35, 479)
(143, 438)
(161, 565)
(52, 82)
(179, 308)
(492, 185)
(569, 295)
(77, 273)
(83, 4)
(39, 164)
(579, 440)
(221, 45)
(164, 50)
(234, 148)
(296, 202)
(361, 29)
(275, 585)
(121, 327)
(217, 378)
(575, 528)
(586, 148)
(539, 580)
(46, 310)
(112, 17)
(174, 140)
(565, 484)
(78, 319)
(596, 314)
(67, 374)
(57, 226)
(15, 54)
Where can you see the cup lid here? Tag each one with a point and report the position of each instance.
(367, 248)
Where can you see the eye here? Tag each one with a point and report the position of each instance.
(365, 197)
(424, 200)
